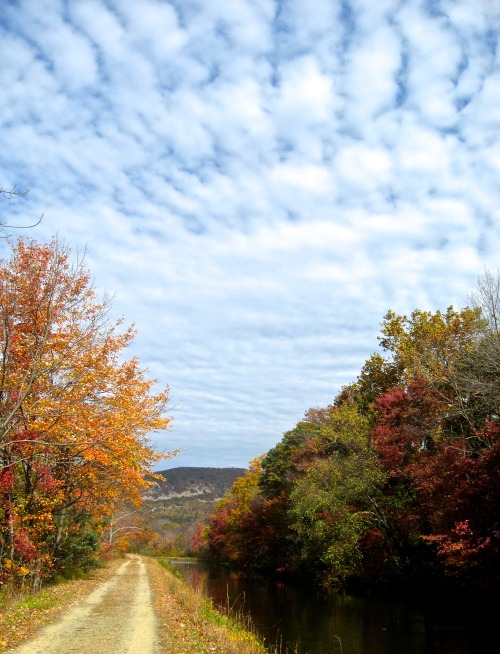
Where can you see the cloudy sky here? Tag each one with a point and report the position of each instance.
(257, 182)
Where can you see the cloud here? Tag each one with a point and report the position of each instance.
(257, 183)
(371, 79)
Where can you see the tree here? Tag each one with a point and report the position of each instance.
(487, 299)
(279, 464)
(331, 504)
(430, 344)
(462, 496)
(332, 510)
(377, 376)
(478, 376)
(231, 534)
(407, 432)
(74, 415)
(441, 496)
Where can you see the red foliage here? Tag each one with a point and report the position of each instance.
(375, 553)
(6, 480)
(24, 548)
(460, 490)
(197, 543)
(442, 488)
(407, 419)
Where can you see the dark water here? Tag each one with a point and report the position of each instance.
(310, 622)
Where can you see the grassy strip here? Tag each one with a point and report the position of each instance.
(188, 623)
(21, 615)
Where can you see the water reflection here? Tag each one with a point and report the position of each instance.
(324, 623)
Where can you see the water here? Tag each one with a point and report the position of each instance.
(310, 622)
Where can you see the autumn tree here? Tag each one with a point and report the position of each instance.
(74, 413)
(461, 494)
(230, 533)
(436, 434)
(281, 467)
(430, 346)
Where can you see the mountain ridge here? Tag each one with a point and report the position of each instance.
(192, 481)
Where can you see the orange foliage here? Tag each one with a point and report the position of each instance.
(74, 415)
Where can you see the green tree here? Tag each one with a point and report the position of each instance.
(281, 464)
(332, 504)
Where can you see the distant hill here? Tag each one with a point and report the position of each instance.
(184, 498)
(206, 483)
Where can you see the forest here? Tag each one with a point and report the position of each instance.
(395, 484)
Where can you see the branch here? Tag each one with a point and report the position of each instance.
(3, 225)
(9, 195)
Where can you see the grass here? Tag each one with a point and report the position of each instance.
(189, 622)
(20, 609)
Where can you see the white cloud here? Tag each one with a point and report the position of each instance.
(310, 178)
(371, 79)
(364, 165)
(483, 111)
(153, 28)
(257, 184)
(304, 93)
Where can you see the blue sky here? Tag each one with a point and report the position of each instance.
(257, 183)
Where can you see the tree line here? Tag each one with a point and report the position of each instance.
(75, 416)
(396, 482)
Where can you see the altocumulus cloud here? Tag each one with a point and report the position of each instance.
(258, 182)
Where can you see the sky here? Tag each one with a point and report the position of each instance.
(257, 182)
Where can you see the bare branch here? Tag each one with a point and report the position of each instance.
(21, 226)
(10, 195)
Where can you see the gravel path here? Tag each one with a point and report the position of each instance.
(116, 618)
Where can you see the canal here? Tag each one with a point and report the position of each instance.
(306, 621)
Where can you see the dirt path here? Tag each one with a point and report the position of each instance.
(116, 618)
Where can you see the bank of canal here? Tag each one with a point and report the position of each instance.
(307, 621)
